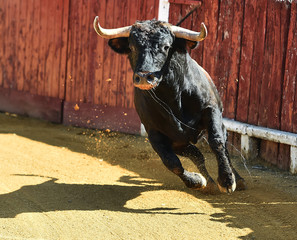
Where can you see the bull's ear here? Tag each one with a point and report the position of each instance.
(183, 44)
(191, 44)
(119, 45)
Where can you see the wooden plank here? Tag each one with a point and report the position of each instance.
(101, 44)
(101, 117)
(232, 85)
(64, 44)
(197, 18)
(31, 105)
(210, 43)
(16, 41)
(75, 52)
(292, 68)
(142, 10)
(115, 74)
(20, 74)
(274, 86)
(84, 51)
(121, 79)
(109, 56)
(42, 48)
(247, 48)
(224, 50)
(270, 44)
(56, 64)
(258, 62)
(151, 10)
(29, 40)
(8, 45)
(2, 41)
(174, 13)
(35, 80)
(283, 161)
(69, 74)
(290, 75)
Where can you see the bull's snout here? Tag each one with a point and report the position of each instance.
(144, 80)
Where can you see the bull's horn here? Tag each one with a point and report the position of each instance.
(111, 33)
(188, 34)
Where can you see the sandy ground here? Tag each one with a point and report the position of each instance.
(60, 182)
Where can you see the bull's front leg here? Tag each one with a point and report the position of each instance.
(163, 147)
(217, 140)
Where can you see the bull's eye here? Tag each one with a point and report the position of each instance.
(166, 48)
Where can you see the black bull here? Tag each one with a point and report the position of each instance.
(175, 99)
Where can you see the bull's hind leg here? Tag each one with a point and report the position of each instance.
(162, 145)
(194, 154)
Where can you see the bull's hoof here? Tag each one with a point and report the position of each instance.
(228, 185)
(241, 184)
(211, 187)
(193, 180)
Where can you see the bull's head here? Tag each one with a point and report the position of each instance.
(149, 45)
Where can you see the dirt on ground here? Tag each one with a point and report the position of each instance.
(59, 182)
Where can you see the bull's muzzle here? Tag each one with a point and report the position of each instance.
(145, 80)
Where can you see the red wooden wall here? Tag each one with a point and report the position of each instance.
(251, 54)
(54, 66)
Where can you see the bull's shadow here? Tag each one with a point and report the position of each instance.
(53, 196)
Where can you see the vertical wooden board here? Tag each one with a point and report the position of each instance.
(224, 49)
(113, 82)
(8, 45)
(247, 46)
(197, 19)
(211, 10)
(56, 64)
(293, 68)
(2, 40)
(232, 85)
(63, 49)
(290, 73)
(283, 161)
(14, 36)
(174, 13)
(75, 53)
(89, 88)
(29, 45)
(35, 81)
(43, 20)
(20, 75)
(101, 44)
(185, 9)
(273, 92)
(142, 10)
(276, 80)
(270, 44)
(70, 32)
(51, 48)
(16, 41)
(108, 56)
(121, 80)
(84, 51)
(268, 152)
(150, 10)
(258, 62)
